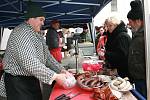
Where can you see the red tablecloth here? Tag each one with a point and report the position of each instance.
(57, 90)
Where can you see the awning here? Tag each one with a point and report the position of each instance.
(67, 11)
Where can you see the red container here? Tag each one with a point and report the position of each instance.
(91, 65)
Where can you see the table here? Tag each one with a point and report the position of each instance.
(57, 90)
(85, 95)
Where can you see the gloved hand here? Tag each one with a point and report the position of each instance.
(60, 78)
(66, 72)
(66, 79)
(69, 82)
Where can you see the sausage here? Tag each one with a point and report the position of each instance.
(113, 86)
(117, 82)
(98, 84)
(80, 79)
(122, 85)
(88, 82)
(94, 83)
(127, 87)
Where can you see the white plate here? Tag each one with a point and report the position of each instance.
(105, 78)
(124, 91)
(117, 93)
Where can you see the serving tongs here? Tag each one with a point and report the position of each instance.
(65, 97)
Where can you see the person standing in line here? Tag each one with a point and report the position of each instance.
(53, 40)
(101, 40)
(85, 35)
(98, 35)
(27, 60)
(117, 46)
(136, 58)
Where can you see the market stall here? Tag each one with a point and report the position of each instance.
(92, 83)
(84, 95)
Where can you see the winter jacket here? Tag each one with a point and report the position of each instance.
(117, 47)
(52, 38)
(53, 41)
(136, 60)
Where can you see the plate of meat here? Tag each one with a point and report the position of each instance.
(88, 83)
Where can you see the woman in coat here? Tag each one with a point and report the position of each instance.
(117, 46)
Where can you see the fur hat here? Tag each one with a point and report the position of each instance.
(34, 10)
(136, 11)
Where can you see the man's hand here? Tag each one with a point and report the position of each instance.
(60, 78)
(66, 80)
(66, 72)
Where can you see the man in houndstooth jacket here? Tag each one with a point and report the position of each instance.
(27, 60)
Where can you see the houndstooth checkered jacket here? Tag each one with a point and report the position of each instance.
(27, 55)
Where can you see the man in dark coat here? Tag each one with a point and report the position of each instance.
(117, 46)
(53, 40)
(136, 60)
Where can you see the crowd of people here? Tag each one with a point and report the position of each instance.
(122, 52)
(29, 59)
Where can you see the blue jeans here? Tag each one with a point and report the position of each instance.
(141, 87)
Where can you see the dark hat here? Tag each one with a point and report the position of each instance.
(136, 11)
(34, 10)
(55, 21)
(85, 27)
